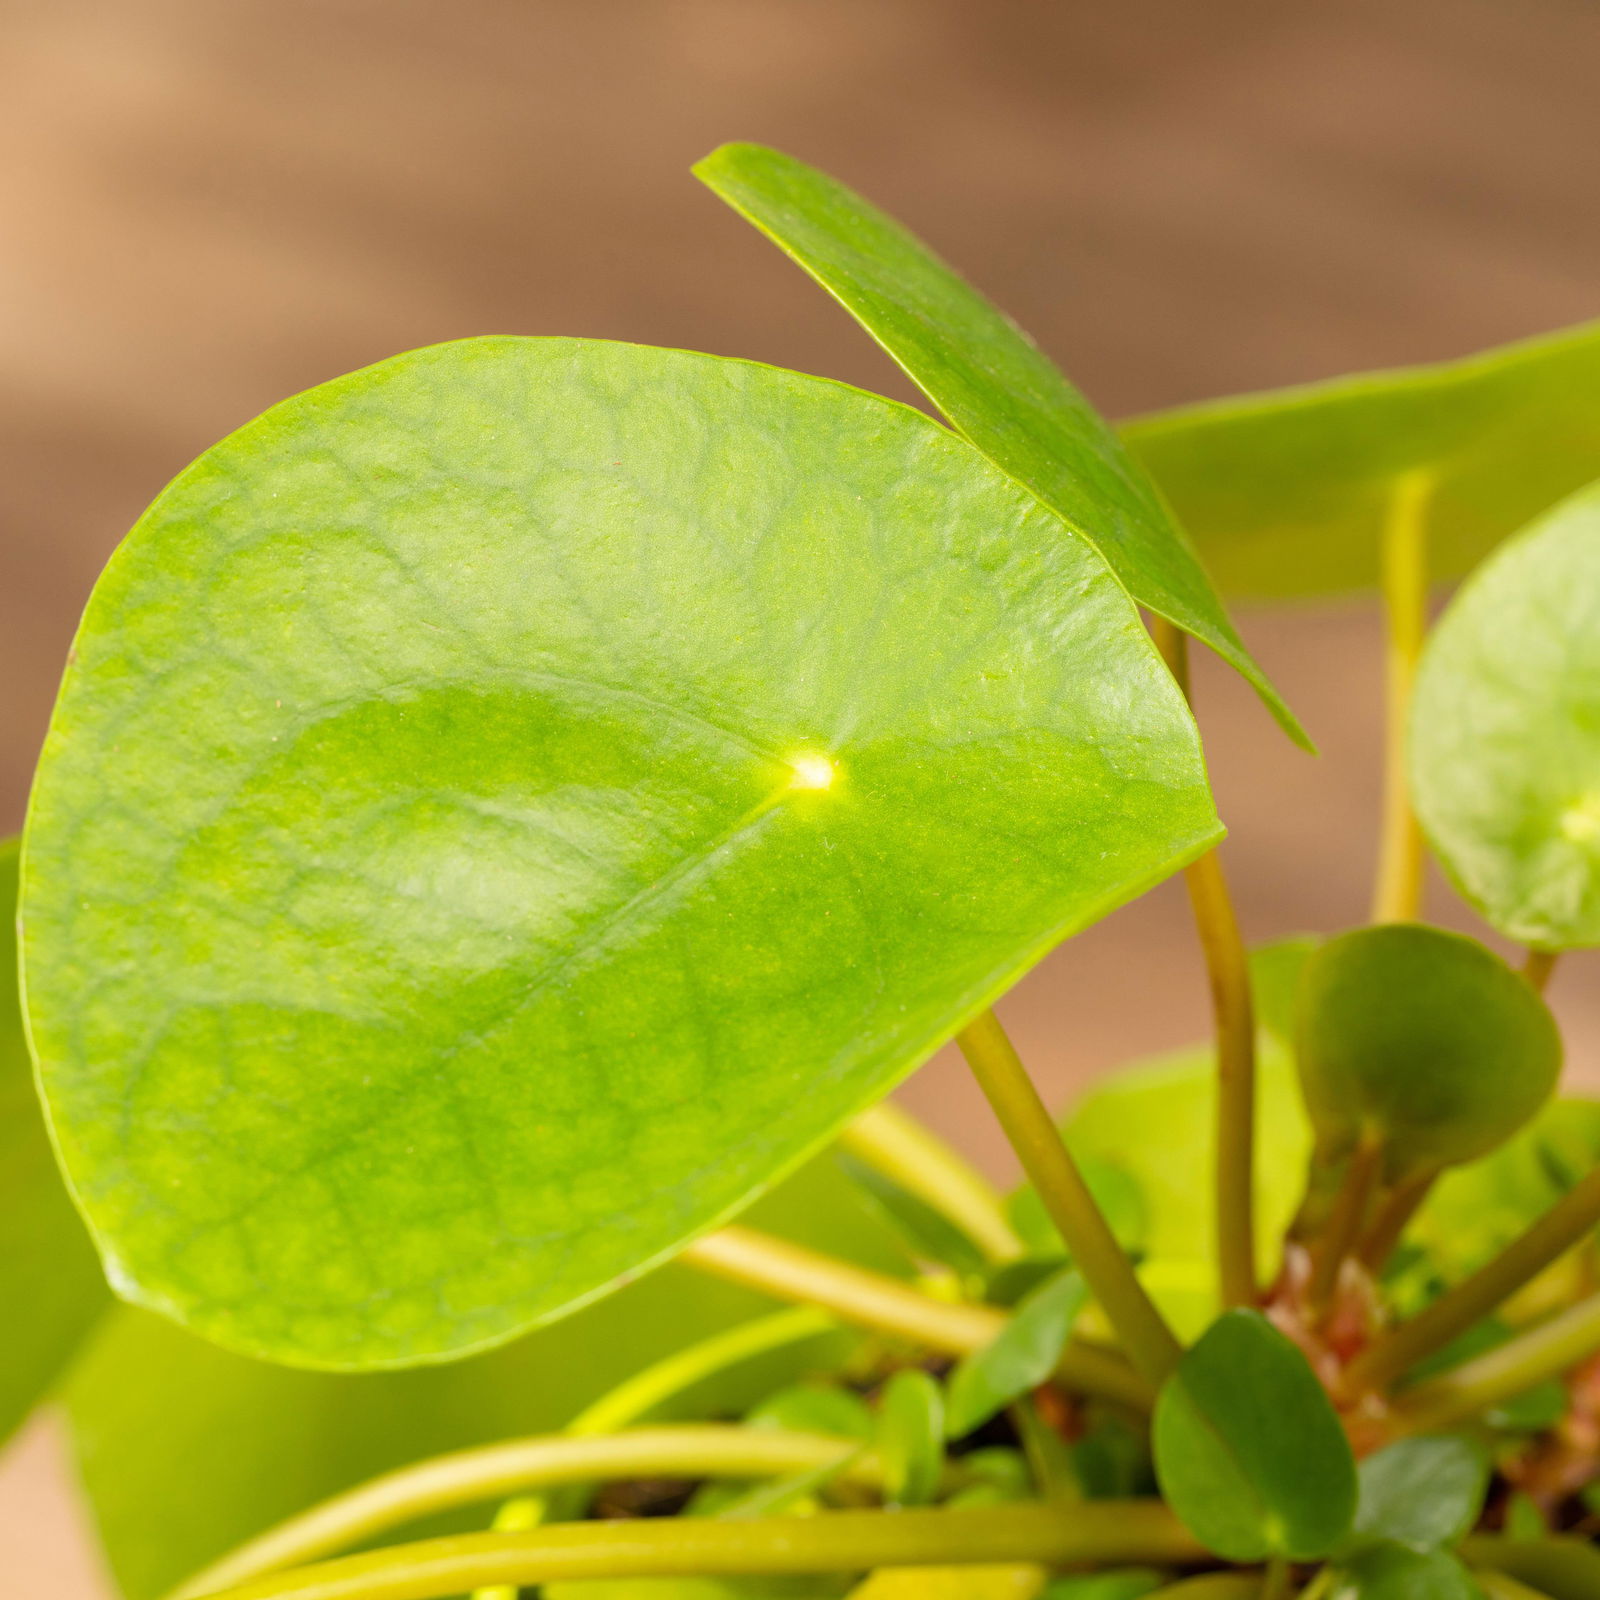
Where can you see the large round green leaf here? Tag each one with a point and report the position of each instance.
(1286, 493)
(1249, 1451)
(998, 388)
(508, 805)
(1505, 733)
(50, 1279)
(1425, 1042)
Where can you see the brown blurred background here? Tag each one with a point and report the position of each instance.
(208, 204)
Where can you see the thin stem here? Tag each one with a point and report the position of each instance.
(1502, 1586)
(696, 1450)
(1320, 1586)
(902, 1149)
(1143, 1331)
(1538, 968)
(1233, 1012)
(1567, 1223)
(1110, 1532)
(1397, 896)
(1345, 1223)
(637, 1396)
(1541, 1352)
(1214, 1586)
(873, 1300)
(1278, 1584)
(1395, 1212)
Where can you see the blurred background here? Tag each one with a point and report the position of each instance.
(204, 207)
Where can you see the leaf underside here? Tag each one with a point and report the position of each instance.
(510, 804)
(995, 385)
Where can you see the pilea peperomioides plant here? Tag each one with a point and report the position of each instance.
(515, 809)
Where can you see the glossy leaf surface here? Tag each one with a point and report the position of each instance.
(510, 804)
(51, 1285)
(1021, 1358)
(1423, 1492)
(1249, 1452)
(1395, 1572)
(1423, 1040)
(148, 1401)
(993, 383)
(1285, 493)
(1505, 733)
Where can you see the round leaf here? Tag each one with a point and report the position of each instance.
(998, 388)
(1505, 733)
(511, 803)
(1395, 1572)
(1423, 1492)
(1249, 1451)
(1424, 1040)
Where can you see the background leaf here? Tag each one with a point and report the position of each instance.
(1394, 1572)
(510, 804)
(149, 1401)
(1424, 1038)
(991, 380)
(1249, 1451)
(1505, 733)
(1423, 1492)
(911, 1437)
(1285, 493)
(1021, 1357)
(51, 1285)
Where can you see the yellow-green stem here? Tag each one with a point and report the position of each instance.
(1538, 967)
(1545, 1351)
(874, 1300)
(1395, 1212)
(1501, 1586)
(902, 1149)
(1107, 1532)
(1397, 896)
(465, 1477)
(1214, 1586)
(1233, 1012)
(637, 1396)
(1567, 1223)
(1143, 1332)
(1345, 1223)
(1278, 1583)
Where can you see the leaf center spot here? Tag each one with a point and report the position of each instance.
(813, 771)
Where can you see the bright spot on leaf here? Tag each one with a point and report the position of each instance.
(812, 772)
(1581, 823)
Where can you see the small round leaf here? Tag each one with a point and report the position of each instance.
(1505, 733)
(1423, 1040)
(1249, 1451)
(1423, 1492)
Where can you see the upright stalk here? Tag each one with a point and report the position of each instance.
(1538, 968)
(1544, 1351)
(1107, 1532)
(900, 1147)
(1278, 1584)
(1570, 1220)
(1345, 1223)
(1228, 969)
(873, 1300)
(1142, 1330)
(1397, 895)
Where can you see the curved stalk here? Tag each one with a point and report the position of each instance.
(923, 1164)
(1112, 1532)
(1104, 1264)
(1395, 1212)
(873, 1300)
(1567, 1223)
(698, 1450)
(637, 1396)
(1544, 1351)
(1345, 1223)
(1397, 895)
(1233, 1010)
